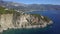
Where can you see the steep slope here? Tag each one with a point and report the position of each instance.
(13, 19)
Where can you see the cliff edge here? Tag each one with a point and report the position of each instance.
(13, 19)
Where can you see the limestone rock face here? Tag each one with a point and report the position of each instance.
(18, 20)
(6, 21)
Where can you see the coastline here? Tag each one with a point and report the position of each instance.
(27, 27)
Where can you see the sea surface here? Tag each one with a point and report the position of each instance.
(53, 29)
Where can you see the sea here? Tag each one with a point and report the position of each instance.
(52, 29)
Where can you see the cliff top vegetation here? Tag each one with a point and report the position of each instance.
(4, 10)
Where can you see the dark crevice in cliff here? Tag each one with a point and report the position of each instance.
(15, 18)
(0, 20)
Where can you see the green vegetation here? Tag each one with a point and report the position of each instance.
(39, 17)
(36, 15)
(3, 11)
(46, 19)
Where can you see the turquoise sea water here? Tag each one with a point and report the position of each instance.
(53, 29)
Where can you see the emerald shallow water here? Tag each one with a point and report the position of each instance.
(25, 31)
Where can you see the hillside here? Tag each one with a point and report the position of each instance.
(28, 7)
(12, 19)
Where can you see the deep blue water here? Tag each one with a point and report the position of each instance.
(54, 29)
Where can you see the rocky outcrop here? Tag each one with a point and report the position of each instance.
(18, 20)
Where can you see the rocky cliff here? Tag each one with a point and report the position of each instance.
(18, 20)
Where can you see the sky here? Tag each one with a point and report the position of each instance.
(55, 2)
